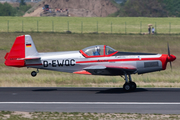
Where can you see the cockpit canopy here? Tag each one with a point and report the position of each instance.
(98, 50)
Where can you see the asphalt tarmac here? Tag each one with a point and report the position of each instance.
(101, 100)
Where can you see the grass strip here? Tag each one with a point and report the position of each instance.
(8, 115)
(120, 25)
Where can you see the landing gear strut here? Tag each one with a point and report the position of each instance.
(34, 73)
(129, 85)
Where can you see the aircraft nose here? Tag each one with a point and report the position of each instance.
(171, 58)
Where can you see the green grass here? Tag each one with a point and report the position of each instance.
(49, 42)
(121, 25)
(7, 115)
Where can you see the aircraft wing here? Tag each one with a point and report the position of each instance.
(108, 70)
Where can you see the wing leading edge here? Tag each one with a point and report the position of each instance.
(108, 70)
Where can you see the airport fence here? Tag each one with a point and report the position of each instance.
(87, 27)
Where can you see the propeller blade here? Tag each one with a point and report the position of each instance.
(170, 57)
(171, 66)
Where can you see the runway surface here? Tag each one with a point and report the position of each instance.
(108, 100)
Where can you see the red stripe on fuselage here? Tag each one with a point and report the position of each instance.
(118, 60)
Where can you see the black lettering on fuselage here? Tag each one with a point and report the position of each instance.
(59, 63)
(53, 63)
(45, 63)
(67, 62)
(72, 62)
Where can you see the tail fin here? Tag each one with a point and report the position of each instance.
(30, 48)
(22, 48)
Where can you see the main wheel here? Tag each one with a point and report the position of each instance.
(33, 73)
(133, 85)
(127, 87)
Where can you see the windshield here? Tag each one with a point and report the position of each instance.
(109, 50)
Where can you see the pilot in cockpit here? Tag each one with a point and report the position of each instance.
(97, 51)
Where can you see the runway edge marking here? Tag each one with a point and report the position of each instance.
(103, 103)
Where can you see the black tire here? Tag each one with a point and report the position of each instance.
(33, 73)
(127, 87)
(133, 85)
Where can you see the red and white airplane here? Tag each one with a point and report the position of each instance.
(93, 60)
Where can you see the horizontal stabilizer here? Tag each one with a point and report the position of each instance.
(35, 58)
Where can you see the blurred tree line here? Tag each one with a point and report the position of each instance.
(148, 8)
(7, 10)
(127, 8)
(172, 7)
